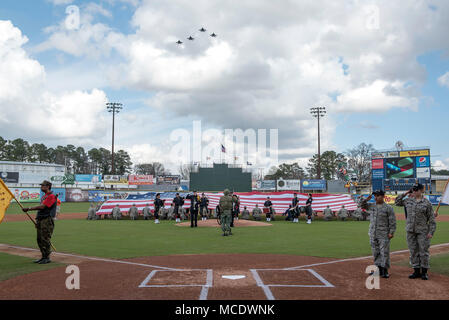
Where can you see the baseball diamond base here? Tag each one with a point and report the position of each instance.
(200, 277)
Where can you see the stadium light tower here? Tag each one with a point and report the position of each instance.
(318, 112)
(113, 107)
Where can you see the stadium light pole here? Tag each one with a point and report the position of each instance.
(113, 107)
(318, 112)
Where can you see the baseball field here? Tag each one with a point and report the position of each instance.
(277, 260)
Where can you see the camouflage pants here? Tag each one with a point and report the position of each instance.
(381, 251)
(226, 217)
(203, 211)
(418, 244)
(44, 227)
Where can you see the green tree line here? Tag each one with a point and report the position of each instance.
(356, 162)
(75, 159)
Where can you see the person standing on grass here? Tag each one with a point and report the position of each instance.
(158, 204)
(269, 208)
(44, 221)
(381, 230)
(295, 208)
(309, 210)
(58, 208)
(204, 203)
(420, 227)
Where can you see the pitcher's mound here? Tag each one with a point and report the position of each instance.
(237, 223)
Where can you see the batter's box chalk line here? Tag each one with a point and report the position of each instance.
(266, 286)
(204, 287)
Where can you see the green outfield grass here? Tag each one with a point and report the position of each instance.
(126, 239)
(12, 266)
(439, 263)
(73, 207)
(66, 207)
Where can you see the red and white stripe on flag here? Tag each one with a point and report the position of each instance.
(280, 200)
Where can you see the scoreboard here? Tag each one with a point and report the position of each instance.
(400, 170)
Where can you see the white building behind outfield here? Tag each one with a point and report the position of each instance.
(27, 174)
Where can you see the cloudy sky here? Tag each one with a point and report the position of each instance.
(381, 68)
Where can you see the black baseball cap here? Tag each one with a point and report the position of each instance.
(379, 193)
(46, 183)
(418, 186)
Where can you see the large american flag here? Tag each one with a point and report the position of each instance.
(280, 200)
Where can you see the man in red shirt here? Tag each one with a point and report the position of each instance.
(44, 221)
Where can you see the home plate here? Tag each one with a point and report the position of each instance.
(234, 277)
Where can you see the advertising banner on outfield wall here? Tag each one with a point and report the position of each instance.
(135, 179)
(100, 195)
(422, 162)
(76, 195)
(390, 199)
(60, 192)
(377, 164)
(266, 185)
(115, 179)
(313, 184)
(30, 177)
(27, 194)
(90, 178)
(378, 174)
(288, 184)
(414, 153)
(423, 172)
(168, 179)
(9, 177)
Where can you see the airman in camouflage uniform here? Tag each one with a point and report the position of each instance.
(164, 212)
(245, 213)
(91, 213)
(183, 213)
(420, 227)
(357, 214)
(226, 205)
(133, 212)
(116, 213)
(328, 214)
(257, 213)
(381, 229)
(146, 212)
(171, 212)
(342, 213)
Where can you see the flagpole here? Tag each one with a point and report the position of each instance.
(439, 203)
(31, 219)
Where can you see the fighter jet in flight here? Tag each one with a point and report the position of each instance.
(213, 35)
(179, 42)
(190, 38)
(202, 30)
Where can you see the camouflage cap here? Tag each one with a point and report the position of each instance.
(226, 192)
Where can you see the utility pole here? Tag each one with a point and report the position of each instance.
(113, 107)
(318, 112)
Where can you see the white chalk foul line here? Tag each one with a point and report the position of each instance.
(96, 259)
(260, 283)
(355, 259)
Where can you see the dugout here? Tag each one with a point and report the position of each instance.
(220, 177)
